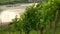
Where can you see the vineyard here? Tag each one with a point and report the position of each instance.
(41, 18)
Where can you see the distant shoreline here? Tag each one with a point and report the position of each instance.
(8, 3)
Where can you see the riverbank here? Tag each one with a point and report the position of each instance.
(5, 2)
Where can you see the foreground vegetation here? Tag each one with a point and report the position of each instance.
(42, 18)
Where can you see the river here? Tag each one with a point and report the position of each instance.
(8, 12)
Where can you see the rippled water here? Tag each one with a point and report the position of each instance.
(7, 16)
(10, 11)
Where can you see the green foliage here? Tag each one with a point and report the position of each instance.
(35, 16)
(57, 2)
(14, 25)
(48, 10)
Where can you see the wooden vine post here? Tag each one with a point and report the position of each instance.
(56, 19)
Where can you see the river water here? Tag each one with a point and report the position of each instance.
(8, 12)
